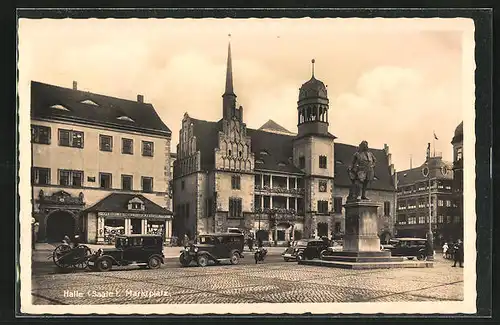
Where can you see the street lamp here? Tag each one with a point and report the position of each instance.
(430, 238)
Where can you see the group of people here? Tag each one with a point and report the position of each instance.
(455, 251)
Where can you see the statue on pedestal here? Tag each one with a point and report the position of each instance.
(361, 172)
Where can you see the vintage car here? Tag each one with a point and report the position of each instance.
(215, 248)
(408, 247)
(142, 250)
(335, 246)
(305, 249)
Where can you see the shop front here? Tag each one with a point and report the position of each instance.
(129, 215)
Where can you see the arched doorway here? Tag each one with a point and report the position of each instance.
(60, 224)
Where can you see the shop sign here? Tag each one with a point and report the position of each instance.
(131, 215)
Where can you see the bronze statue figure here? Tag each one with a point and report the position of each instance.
(361, 172)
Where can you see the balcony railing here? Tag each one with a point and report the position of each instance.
(279, 190)
(280, 213)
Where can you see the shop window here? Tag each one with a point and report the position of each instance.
(105, 143)
(235, 182)
(70, 177)
(322, 161)
(127, 146)
(127, 182)
(70, 138)
(40, 176)
(105, 180)
(147, 184)
(40, 134)
(147, 148)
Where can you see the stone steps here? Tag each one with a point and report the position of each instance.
(363, 259)
(367, 265)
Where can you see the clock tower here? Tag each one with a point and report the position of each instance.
(313, 154)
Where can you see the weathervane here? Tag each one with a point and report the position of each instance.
(313, 61)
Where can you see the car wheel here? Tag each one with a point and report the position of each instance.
(300, 257)
(410, 257)
(202, 260)
(322, 254)
(184, 261)
(154, 262)
(104, 264)
(421, 257)
(235, 258)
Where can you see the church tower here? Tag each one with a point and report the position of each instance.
(229, 105)
(313, 153)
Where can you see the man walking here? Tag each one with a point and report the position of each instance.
(458, 255)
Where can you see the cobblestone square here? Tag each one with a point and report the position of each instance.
(277, 282)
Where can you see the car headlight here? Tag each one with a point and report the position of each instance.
(196, 249)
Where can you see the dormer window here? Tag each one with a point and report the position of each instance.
(339, 162)
(125, 118)
(281, 164)
(60, 107)
(264, 153)
(259, 161)
(136, 204)
(89, 102)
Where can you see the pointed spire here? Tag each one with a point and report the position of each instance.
(313, 61)
(229, 71)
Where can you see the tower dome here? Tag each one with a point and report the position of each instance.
(312, 107)
(459, 133)
(313, 88)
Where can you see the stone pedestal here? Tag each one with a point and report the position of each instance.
(361, 227)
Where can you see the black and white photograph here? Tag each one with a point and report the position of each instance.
(231, 166)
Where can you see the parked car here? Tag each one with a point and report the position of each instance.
(335, 246)
(391, 244)
(409, 247)
(305, 249)
(214, 247)
(142, 250)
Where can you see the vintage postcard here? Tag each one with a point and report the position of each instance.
(236, 166)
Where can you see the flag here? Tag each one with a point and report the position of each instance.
(435, 136)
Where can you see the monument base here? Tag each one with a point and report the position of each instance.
(368, 265)
(362, 244)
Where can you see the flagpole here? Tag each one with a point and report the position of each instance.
(433, 143)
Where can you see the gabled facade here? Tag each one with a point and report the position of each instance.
(269, 181)
(87, 146)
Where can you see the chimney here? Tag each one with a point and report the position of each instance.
(75, 85)
(140, 98)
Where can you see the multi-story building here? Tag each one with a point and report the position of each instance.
(98, 165)
(458, 181)
(269, 181)
(414, 194)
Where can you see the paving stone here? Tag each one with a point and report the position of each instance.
(372, 283)
(444, 292)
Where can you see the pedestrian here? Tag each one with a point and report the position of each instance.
(259, 242)
(445, 250)
(186, 240)
(458, 255)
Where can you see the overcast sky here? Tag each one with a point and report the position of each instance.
(389, 81)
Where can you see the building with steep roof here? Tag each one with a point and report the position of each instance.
(430, 182)
(269, 181)
(458, 180)
(100, 165)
